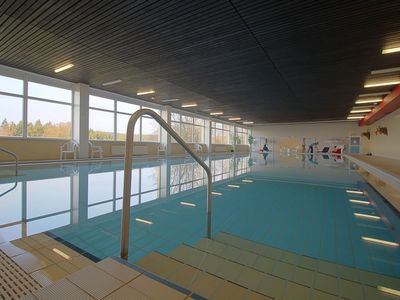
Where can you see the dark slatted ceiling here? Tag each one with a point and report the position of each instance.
(266, 61)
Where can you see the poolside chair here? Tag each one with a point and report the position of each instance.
(70, 147)
(95, 149)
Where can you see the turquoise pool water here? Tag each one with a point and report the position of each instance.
(297, 203)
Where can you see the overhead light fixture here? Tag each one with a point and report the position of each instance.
(381, 242)
(388, 290)
(145, 92)
(374, 94)
(170, 100)
(111, 82)
(359, 202)
(391, 50)
(248, 122)
(357, 111)
(216, 193)
(384, 71)
(355, 117)
(63, 68)
(189, 105)
(369, 217)
(218, 113)
(234, 119)
(372, 100)
(355, 192)
(188, 204)
(391, 82)
(143, 221)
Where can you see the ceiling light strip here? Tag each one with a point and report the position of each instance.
(189, 105)
(247, 180)
(63, 68)
(357, 111)
(143, 221)
(355, 117)
(380, 242)
(364, 216)
(216, 193)
(354, 192)
(145, 92)
(388, 290)
(359, 202)
(377, 100)
(392, 82)
(187, 204)
(391, 50)
(383, 71)
(170, 100)
(111, 82)
(233, 186)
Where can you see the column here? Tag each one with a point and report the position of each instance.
(165, 137)
(80, 118)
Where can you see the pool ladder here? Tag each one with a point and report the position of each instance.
(16, 169)
(128, 174)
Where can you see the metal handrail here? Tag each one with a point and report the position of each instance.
(128, 174)
(15, 158)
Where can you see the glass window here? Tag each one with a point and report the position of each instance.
(122, 123)
(220, 133)
(190, 129)
(127, 107)
(47, 119)
(150, 130)
(119, 188)
(49, 92)
(150, 179)
(175, 117)
(102, 103)
(198, 134)
(187, 119)
(11, 85)
(11, 116)
(100, 187)
(101, 125)
(187, 132)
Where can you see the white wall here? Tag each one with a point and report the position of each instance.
(290, 136)
(382, 145)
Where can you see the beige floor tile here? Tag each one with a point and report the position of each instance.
(44, 239)
(12, 250)
(230, 270)
(326, 283)
(20, 244)
(32, 261)
(229, 291)
(296, 291)
(32, 242)
(205, 284)
(118, 270)
(264, 264)
(95, 282)
(149, 260)
(126, 293)
(48, 275)
(62, 290)
(68, 267)
(189, 255)
(348, 273)
(350, 290)
(327, 268)
(270, 252)
(250, 295)
(184, 276)
(211, 264)
(372, 293)
(290, 258)
(247, 258)
(303, 276)
(307, 262)
(318, 295)
(374, 279)
(155, 289)
(211, 246)
(283, 270)
(249, 278)
(64, 249)
(271, 286)
(80, 261)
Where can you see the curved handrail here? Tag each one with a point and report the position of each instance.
(15, 158)
(128, 174)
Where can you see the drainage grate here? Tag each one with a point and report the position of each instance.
(14, 282)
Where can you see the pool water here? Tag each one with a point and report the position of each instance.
(297, 203)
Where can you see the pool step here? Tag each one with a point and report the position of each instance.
(196, 280)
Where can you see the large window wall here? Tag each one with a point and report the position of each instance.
(241, 136)
(190, 128)
(109, 118)
(221, 133)
(35, 110)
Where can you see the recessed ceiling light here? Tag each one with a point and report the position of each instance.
(369, 217)
(248, 122)
(188, 204)
(111, 82)
(372, 100)
(357, 111)
(218, 113)
(145, 92)
(170, 100)
(382, 242)
(390, 82)
(383, 71)
(63, 68)
(355, 117)
(143, 221)
(391, 50)
(189, 105)
(388, 290)
(234, 119)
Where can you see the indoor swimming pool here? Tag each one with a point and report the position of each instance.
(313, 205)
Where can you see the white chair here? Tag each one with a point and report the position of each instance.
(95, 150)
(70, 147)
(198, 148)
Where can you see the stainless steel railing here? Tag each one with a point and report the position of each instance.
(16, 169)
(128, 175)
